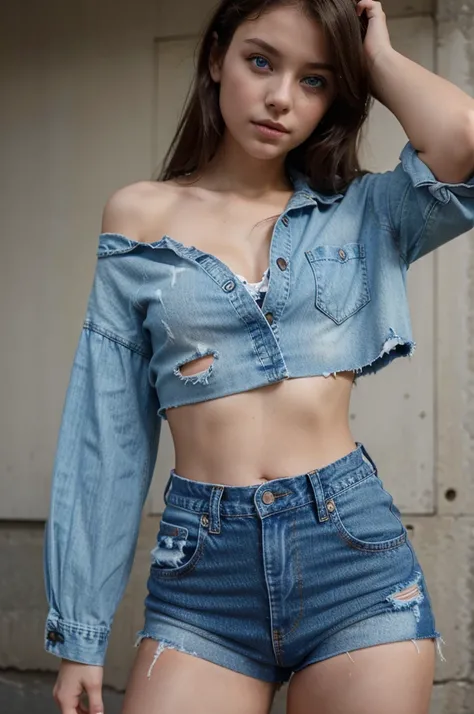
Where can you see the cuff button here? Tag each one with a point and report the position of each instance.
(54, 636)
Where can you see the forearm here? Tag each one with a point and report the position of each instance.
(437, 116)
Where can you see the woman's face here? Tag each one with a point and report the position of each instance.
(277, 69)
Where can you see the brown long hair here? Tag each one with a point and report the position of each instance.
(328, 158)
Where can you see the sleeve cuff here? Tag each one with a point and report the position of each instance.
(421, 175)
(76, 642)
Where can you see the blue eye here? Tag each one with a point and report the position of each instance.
(316, 82)
(259, 62)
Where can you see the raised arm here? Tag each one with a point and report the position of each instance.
(428, 199)
(437, 116)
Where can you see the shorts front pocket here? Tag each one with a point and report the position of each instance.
(341, 282)
(179, 543)
(366, 518)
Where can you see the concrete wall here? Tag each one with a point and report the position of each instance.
(444, 540)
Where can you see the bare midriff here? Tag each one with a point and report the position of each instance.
(280, 430)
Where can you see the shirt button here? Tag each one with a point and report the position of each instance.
(269, 318)
(229, 286)
(268, 497)
(285, 220)
(282, 264)
(342, 254)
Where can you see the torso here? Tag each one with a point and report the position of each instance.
(274, 431)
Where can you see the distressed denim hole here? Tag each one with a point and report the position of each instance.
(408, 594)
(169, 550)
(196, 366)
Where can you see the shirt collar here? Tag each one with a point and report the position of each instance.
(305, 195)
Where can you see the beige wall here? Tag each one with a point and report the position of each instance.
(86, 114)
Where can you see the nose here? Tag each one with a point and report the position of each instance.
(279, 95)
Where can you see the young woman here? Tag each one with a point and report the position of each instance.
(239, 298)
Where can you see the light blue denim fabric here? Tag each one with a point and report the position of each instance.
(336, 301)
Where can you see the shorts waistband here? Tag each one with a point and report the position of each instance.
(271, 496)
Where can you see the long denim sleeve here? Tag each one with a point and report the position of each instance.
(104, 462)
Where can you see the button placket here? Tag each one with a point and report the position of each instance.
(229, 286)
(265, 337)
(281, 246)
(282, 264)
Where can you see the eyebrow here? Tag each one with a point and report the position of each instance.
(272, 50)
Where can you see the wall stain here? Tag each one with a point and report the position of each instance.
(458, 15)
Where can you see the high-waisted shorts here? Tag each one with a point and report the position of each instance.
(267, 579)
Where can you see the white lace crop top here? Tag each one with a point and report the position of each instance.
(257, 290)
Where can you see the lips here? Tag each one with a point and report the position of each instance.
(272, 125)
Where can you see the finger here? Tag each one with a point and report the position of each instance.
(67, 708)
(96, 705)
(68, 703)
(372, 7)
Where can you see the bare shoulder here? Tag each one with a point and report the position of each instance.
(131, 210)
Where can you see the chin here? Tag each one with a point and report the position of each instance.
(260, 150)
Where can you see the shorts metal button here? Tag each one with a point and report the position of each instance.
(269, 318)
(268, 497)
(229, 286)
(282, 264)
(204, 520)
(342, 254)
(331, 506)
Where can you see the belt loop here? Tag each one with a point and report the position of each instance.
(318, 496)
(366, 456)
(168, 488)
(214, 509)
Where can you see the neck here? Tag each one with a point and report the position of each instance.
(232, 170)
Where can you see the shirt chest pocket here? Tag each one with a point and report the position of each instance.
(341, 282)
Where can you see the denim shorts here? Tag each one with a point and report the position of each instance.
(267, 579)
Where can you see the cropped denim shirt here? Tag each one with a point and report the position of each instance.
(336, 301)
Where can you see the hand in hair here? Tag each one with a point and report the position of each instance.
(377, 38)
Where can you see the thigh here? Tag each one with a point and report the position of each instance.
(395, 678)
(180, 682)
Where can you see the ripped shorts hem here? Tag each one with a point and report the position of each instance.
(215, 653)
(365, 645)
